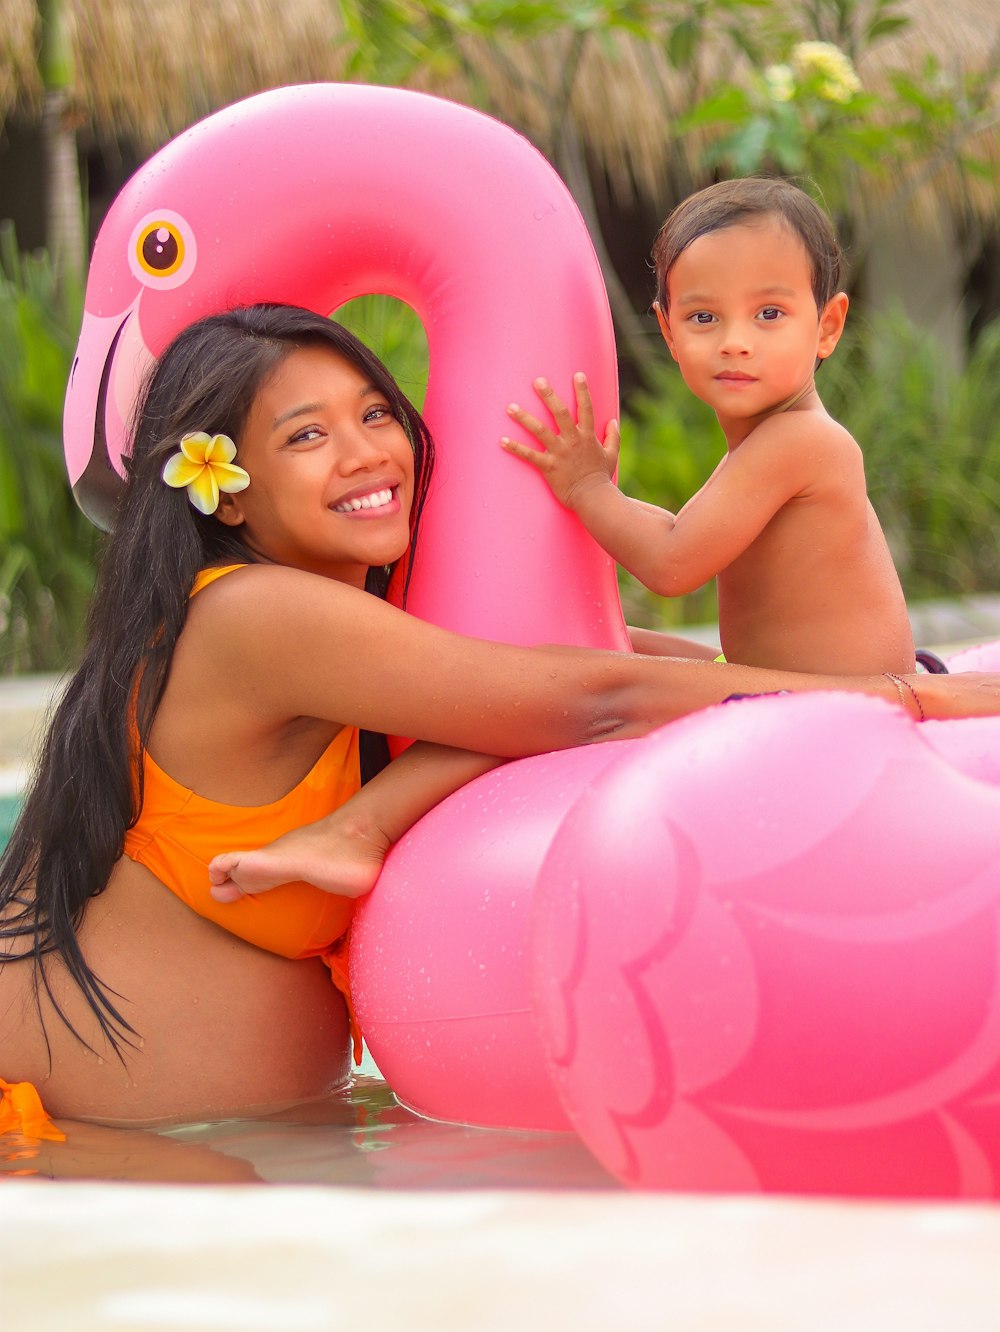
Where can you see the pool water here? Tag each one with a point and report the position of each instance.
(9, 806)
(359, 1137)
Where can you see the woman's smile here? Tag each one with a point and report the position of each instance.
(371, 500)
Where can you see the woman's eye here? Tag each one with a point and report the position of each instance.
(377, 412)
(305, 436)
(770, 312)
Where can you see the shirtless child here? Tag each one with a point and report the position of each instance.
(747, 274)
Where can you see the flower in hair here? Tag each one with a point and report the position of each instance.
(204, 466)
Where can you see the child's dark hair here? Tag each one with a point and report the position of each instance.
(87, 789)
(748, 200)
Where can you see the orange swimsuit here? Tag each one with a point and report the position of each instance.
(179, 831)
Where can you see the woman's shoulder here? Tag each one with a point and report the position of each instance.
(273, 594)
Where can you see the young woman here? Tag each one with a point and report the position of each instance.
(235, 654)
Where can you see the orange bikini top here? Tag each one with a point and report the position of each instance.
(179, 832)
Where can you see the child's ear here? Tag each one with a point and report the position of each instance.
(831, 324)
(230, 510)
(664, 324)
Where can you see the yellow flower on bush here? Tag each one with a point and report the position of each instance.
(204, 466)
(827, 68)
(780, 83)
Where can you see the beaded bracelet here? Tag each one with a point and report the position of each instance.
(902, 684)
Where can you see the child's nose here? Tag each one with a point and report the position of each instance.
(737, 339)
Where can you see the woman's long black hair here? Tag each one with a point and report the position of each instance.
(87, 788)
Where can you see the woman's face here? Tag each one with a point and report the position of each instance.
(331, 470)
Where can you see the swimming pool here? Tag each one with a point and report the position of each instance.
(9, 806)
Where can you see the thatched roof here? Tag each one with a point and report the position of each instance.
(145, 71)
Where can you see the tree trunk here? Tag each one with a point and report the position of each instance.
(63, 198)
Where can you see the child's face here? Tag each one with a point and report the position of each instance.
(743, 324)
(331, 470)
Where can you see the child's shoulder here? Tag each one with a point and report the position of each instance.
(812, 425)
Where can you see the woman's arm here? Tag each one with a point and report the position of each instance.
(274, 644)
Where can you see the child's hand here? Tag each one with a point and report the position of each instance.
(574, 461)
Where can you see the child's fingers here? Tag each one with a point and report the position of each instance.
(561, 414)
(584, 403)
(613, 443)
(519, 450)
(530, 423)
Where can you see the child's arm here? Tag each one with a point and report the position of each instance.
(343, 853)
(652, 643)
(675, 553)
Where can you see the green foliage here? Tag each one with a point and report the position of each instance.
(47, 547)
(801, 108)
(395, 334)
(931, 440)
(389, 39)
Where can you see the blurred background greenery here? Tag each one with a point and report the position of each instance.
(886, 109)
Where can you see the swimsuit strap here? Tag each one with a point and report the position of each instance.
(206, 576)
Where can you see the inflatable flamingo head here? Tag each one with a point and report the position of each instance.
(316, 194)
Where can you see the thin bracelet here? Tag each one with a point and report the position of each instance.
(902, 684)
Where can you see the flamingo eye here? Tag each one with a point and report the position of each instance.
(162, 251)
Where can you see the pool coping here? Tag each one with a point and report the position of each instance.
(99, 1256)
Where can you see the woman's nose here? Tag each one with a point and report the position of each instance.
(361, 450)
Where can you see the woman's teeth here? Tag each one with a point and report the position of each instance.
(373, 501)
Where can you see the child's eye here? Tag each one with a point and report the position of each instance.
(770, 313)
(702, 317)
(377, 413)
